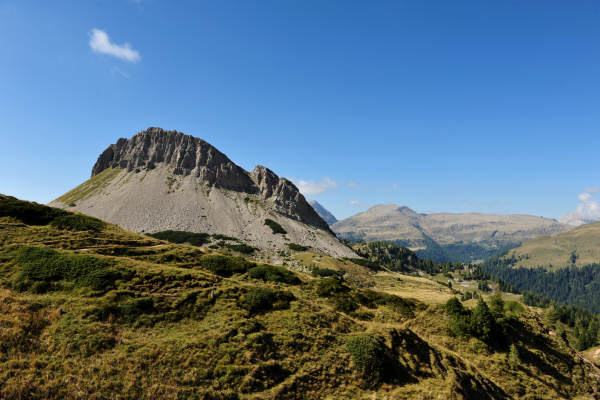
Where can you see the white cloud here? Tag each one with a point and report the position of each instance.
(100, 43)
(311, 188)
(352, 184)
(587, 211)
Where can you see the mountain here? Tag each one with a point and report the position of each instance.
(323, 212)
(445, 236)
(580, 246)
(91, 311)
(165, 180)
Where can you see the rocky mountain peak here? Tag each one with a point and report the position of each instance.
(187, 155)
(190, 156)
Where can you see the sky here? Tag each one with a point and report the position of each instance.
(487, 106)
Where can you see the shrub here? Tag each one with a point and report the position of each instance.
(324, 272)
(77, 222)
(218, 236)
(369, 356)
(241, 247)
(297, 247)
(258, 300)
(28, 213)
(193, 238)
(269, 273)
(275, 227)
(47, 265)
(329, 286)
(365, 263)
(345, 304)
(225, 265)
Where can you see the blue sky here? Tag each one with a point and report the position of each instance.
(441, 106)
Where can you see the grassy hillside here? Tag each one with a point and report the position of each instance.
(580, 246)
(564, 267)
(88, 310)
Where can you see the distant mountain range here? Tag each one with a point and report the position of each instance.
(165, 180)
(323, 212)
(465, 237)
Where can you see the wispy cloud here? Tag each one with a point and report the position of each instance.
(587, 211)
(352, 184)
(311, 188)
(357, 203)
(394, 186)
(118, 71)
(100, 43)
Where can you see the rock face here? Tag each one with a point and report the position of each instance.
(160, 180)
(479, 234)
(323, 212)
(186, 154)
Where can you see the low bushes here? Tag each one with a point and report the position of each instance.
(38, 264)
(77, 222)
(28, 213)
(275, 227)
(324, 272)
(269, 273)
(218, 236)
(257, 300)
(345, 304)
(297, 247)
(193, 238)
(369, 356)
(225, 265)
(328, 287)
(240, 247)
